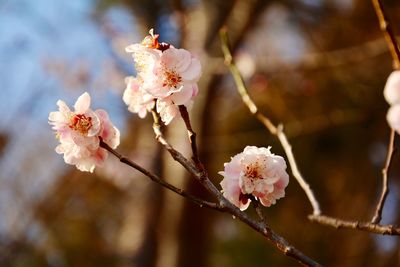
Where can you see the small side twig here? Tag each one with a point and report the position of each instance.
(373, 227)
(385, 185)
(191, 134)
(224, 205)
(391, 41)
(357, 225)
(388, 32)
(176, 155)
(158, 180)
(275, 130)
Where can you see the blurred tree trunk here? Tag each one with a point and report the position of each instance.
(195, 227)
(147, 254)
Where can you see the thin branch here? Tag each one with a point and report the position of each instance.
(192, 136)
(258, 209)
(275, 130)
(388, 32)
(391, 41)
(224, 205)
(176, 155)
(364, 226)
(158, 180)
(373, 227)
(385, 185)
(276, 239)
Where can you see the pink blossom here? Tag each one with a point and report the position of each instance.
(393, 117)
(78, 132)
(84, 157)
(255, 171)
(392, 88)
(168, 107)
(108, 132)
(177, 73)
(165, 74)
(138, 100)
(146, 54)
(167, 110)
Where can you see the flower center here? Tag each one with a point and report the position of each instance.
(81, 123)
(171, 78)
(252, 172)
(151, 41)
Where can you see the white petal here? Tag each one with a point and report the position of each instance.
(392, 88)
(183, 96)
(82, 104)
(62, 107)
(193, 72)
(393, 117)
(177, 59)
(168, 111)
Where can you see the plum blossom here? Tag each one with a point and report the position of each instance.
(257, 172)
(78, 132)
(392, 96)
(138, 100)
(393, 117)
(145, 54)
(165, 74)
(177, 73)
(392, 88)
(167, 110)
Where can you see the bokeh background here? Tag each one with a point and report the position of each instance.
(317, 66)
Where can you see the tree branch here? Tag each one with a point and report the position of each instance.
(388, 32)
(372, 227)
(158, 180)
(364, 226)
(275, 130)
(224, 205)
(391, 41)
(176, 155)
(191, 135)
(385, 185)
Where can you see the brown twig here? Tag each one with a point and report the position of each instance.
(364, 226)
(158, 180)
(275, 130)
(391, 41)
(388, 32)
(278, 131)
(176, 155)
(191, 135)
(385, 185)
(258, 209)
(278, 241)
(224, 205)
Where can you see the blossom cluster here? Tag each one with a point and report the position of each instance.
(392, 96)
(255, 172)
(166, 77)
(79, 133)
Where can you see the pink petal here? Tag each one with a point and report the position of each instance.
(183, 96)
(82, 104)
(168, 111)
(96, 124)
(110, 134)
(62, 107)
(177, 59)
(193, 72)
